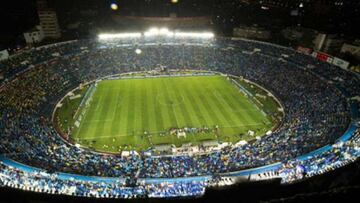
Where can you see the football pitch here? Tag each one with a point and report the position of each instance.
(135, 114)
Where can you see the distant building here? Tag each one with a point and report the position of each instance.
(328, 43)
(35, 35)
(351, 49)
(281, 3)
(252, 32)
(302, 3)
(48, 20)
(333, 44)
(356, 42)
(4, 54)
(319, 41)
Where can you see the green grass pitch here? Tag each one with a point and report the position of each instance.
(122, 110)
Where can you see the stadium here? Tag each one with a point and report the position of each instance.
(170, 100)
(183, 114)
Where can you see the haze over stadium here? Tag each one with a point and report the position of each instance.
(184, 100)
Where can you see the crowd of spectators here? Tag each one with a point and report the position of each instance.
(41, 181)
(339, 155)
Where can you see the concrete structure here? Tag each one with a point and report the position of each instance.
(333, 44)
(252, 32)
(319, 41)
(35, 35)
(328, 43)
(351, 49)
(4, 54)
(48, 20)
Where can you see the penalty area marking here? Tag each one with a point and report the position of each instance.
(221, 98)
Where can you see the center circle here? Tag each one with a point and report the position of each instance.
(165, 100)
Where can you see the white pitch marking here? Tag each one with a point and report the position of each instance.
(99, 121)
(100, 137)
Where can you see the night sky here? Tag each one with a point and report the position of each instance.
(20, 15)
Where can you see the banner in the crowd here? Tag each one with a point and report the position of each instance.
(247, 52)
(4, 54)
(25, 62)
(341, 63)
(323, 57)
(56, 54)
(331, 59)
(304, 50)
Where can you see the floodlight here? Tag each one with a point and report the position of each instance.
(138, 51)
(158, 32)
(118, 35)
(114, 6)
(204, 35)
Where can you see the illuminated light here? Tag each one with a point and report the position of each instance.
(119, 36)
(165, 32)
(158, 32)
(174, 1)
(114, 6)
(138, 51)
(205, 35)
